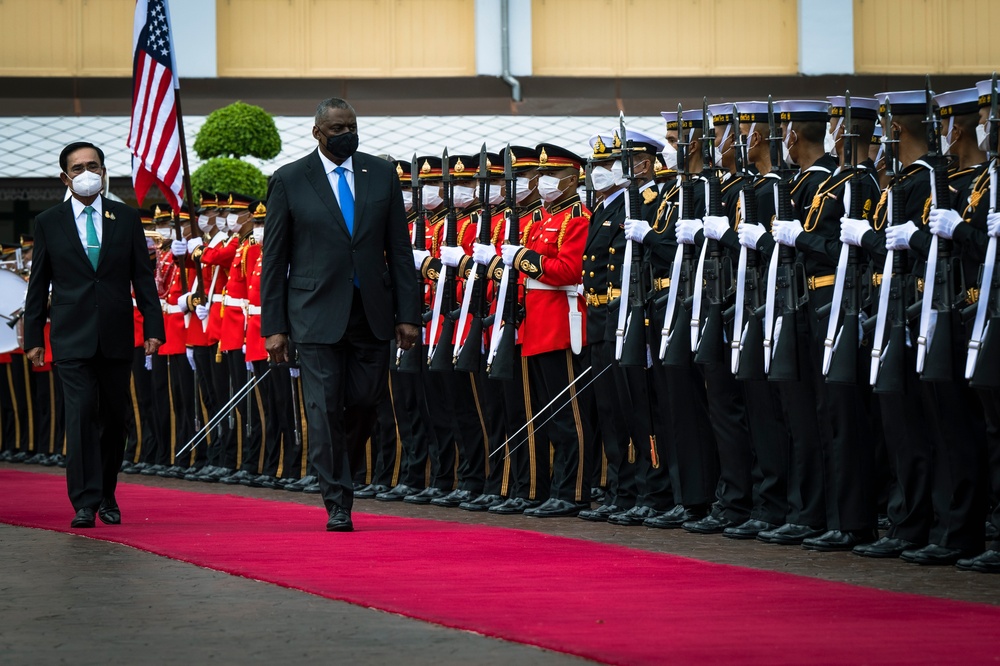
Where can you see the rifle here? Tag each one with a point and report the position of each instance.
(444, 296)
(410, 360)
(630, 334)
(786, 289)
(934, 341)
(672, 351)
(888, 374)
(588, 184)
(840, 347)
(467, 357)
(982, 365)
(707, 342)
(500, 360)
(747, 331)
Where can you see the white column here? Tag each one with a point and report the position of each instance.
(488, 35)
(826, 37)
(193, 23)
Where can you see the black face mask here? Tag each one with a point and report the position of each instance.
(343, 145)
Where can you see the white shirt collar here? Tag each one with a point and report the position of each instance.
(329, 166)
(78, 207)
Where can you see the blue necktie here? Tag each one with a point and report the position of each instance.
(346, 198)
(93, 244)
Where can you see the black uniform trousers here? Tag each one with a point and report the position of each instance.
(49, 427)
(385, 454)
(457, 401)
(652, 484)
(990, 399)
(610, 421)
(491, 401)
(96, 400)
(213, 385)
(8, 415)
(182, 400)
(527, 451)
(250, 437)
(770, 440)
(142, 445)
(409, 404)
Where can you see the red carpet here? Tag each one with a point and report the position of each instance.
(606, 603)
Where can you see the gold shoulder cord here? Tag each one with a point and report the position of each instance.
(878, 210)
(659, 211)
(812, 217)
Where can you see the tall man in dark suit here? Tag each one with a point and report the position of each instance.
(92, 253)
(338, 280)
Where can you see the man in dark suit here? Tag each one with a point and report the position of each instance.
(338, 280)
(92, 253)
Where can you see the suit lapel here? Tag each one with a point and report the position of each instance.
(319, 181)
(361, 180)
(108, 228)
(72, 235)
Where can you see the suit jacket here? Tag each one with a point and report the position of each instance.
(310, 258)
(91, 309)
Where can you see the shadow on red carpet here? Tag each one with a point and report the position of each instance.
(606, 603)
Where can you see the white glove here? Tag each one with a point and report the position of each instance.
(190, 355)
(508, 252)
(579, 289)
(942, 222)
(897, 237)
(450, 256)
(715, 226)
(182, 302)
(149, 362)
(194, 243)
(293, 372)
(786, 231)
(201, 311)
(636, 230)
(993, 224)
(249, 366)
(483, 254)
(852, 230)
(686, 230)
(178, 248)
(418, 258)
(750, 234)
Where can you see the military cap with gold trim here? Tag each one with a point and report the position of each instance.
(691, 119)
(862, 108)
(643, 143)
(403, 171)
(984, 90)
(523, 158)
(494, 164)
(957, 102)
(238, 202)
(257, 210)
(145, 216)
(804, 110)
(752, 112)
(463, 167)
(722, 113)
(162, 211)
(904, 102)
(602, 146)
(430, 167)
(552, 157)
(208, 200)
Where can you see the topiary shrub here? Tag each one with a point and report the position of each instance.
(228, 174)
(238, 130)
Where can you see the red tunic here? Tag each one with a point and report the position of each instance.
(169, 281)
(197, 331)
(234, 307)
(219, 257)
(255, 343)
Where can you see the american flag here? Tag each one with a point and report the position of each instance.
(154, 137)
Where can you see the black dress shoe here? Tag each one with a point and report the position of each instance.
(934, 555)
(370, 491)
(359, 486)
(633, 517)
(425, 496)
(152, 470)
(834, 540)
(397, 493)
(216, 475)
(601, 513)
(312, 489)
(884, 547)
(35, 459)
(109, 513)
(556, 508)
(126, 466)
(790, 534)
(675, 517)
(269, 482)
(297, 486)
(20, 457)
(340, 521)
(136, 468)
(6, 456)
(482, 503)
(173, 472)
(991, 531)
(598, 495)
(83, 518)
(53, 460)
(748, 530)
(710, 524)
(237, 477)
(514, 505)
(883, 522)
(988, 562)
(454, 498)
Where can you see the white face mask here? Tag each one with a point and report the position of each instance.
(548, 188)
(718, 154)
(408, 200)
(602, 178)
(233, 223)
(830, 140)
(258, 235)
(166, 232)
(496, 193)
(87, 183)
(523, 188)
(784, 145)
(947, 138)
(205, 224)
(982, 137)
(669, 157)
(463, 195)
(431, 194)
(616, 171)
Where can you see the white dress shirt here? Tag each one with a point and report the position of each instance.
(333, 177)
(81, 219)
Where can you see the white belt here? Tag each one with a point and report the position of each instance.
(134, 304)
(172, 309)
(217, 298)
(575, 316)
(234, 302)
(254, 309)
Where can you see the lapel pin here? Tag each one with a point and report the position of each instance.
(107, 213)
(112, 216)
